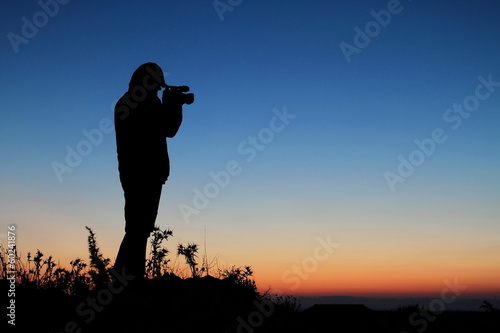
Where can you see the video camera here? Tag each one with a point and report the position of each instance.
(178, 94)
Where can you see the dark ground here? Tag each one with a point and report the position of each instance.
(171, 304)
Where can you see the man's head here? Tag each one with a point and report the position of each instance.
(147, 77)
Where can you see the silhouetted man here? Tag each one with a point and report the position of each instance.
(142, 124)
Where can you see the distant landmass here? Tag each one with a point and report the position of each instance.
(374, 303)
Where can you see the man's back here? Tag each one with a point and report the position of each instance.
(141, 143)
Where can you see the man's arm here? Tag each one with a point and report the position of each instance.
(171, 119)
(171, 113)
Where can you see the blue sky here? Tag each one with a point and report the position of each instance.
(322, 174)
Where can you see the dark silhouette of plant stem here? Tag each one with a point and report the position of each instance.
(156, 264)
(241, 276)
(190, 253)
(99, 264)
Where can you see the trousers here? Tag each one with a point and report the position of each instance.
(141, 208)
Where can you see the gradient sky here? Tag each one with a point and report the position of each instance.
(316, 177)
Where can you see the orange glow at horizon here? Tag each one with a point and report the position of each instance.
(351, 270)
(356, 280)
(394, 287)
